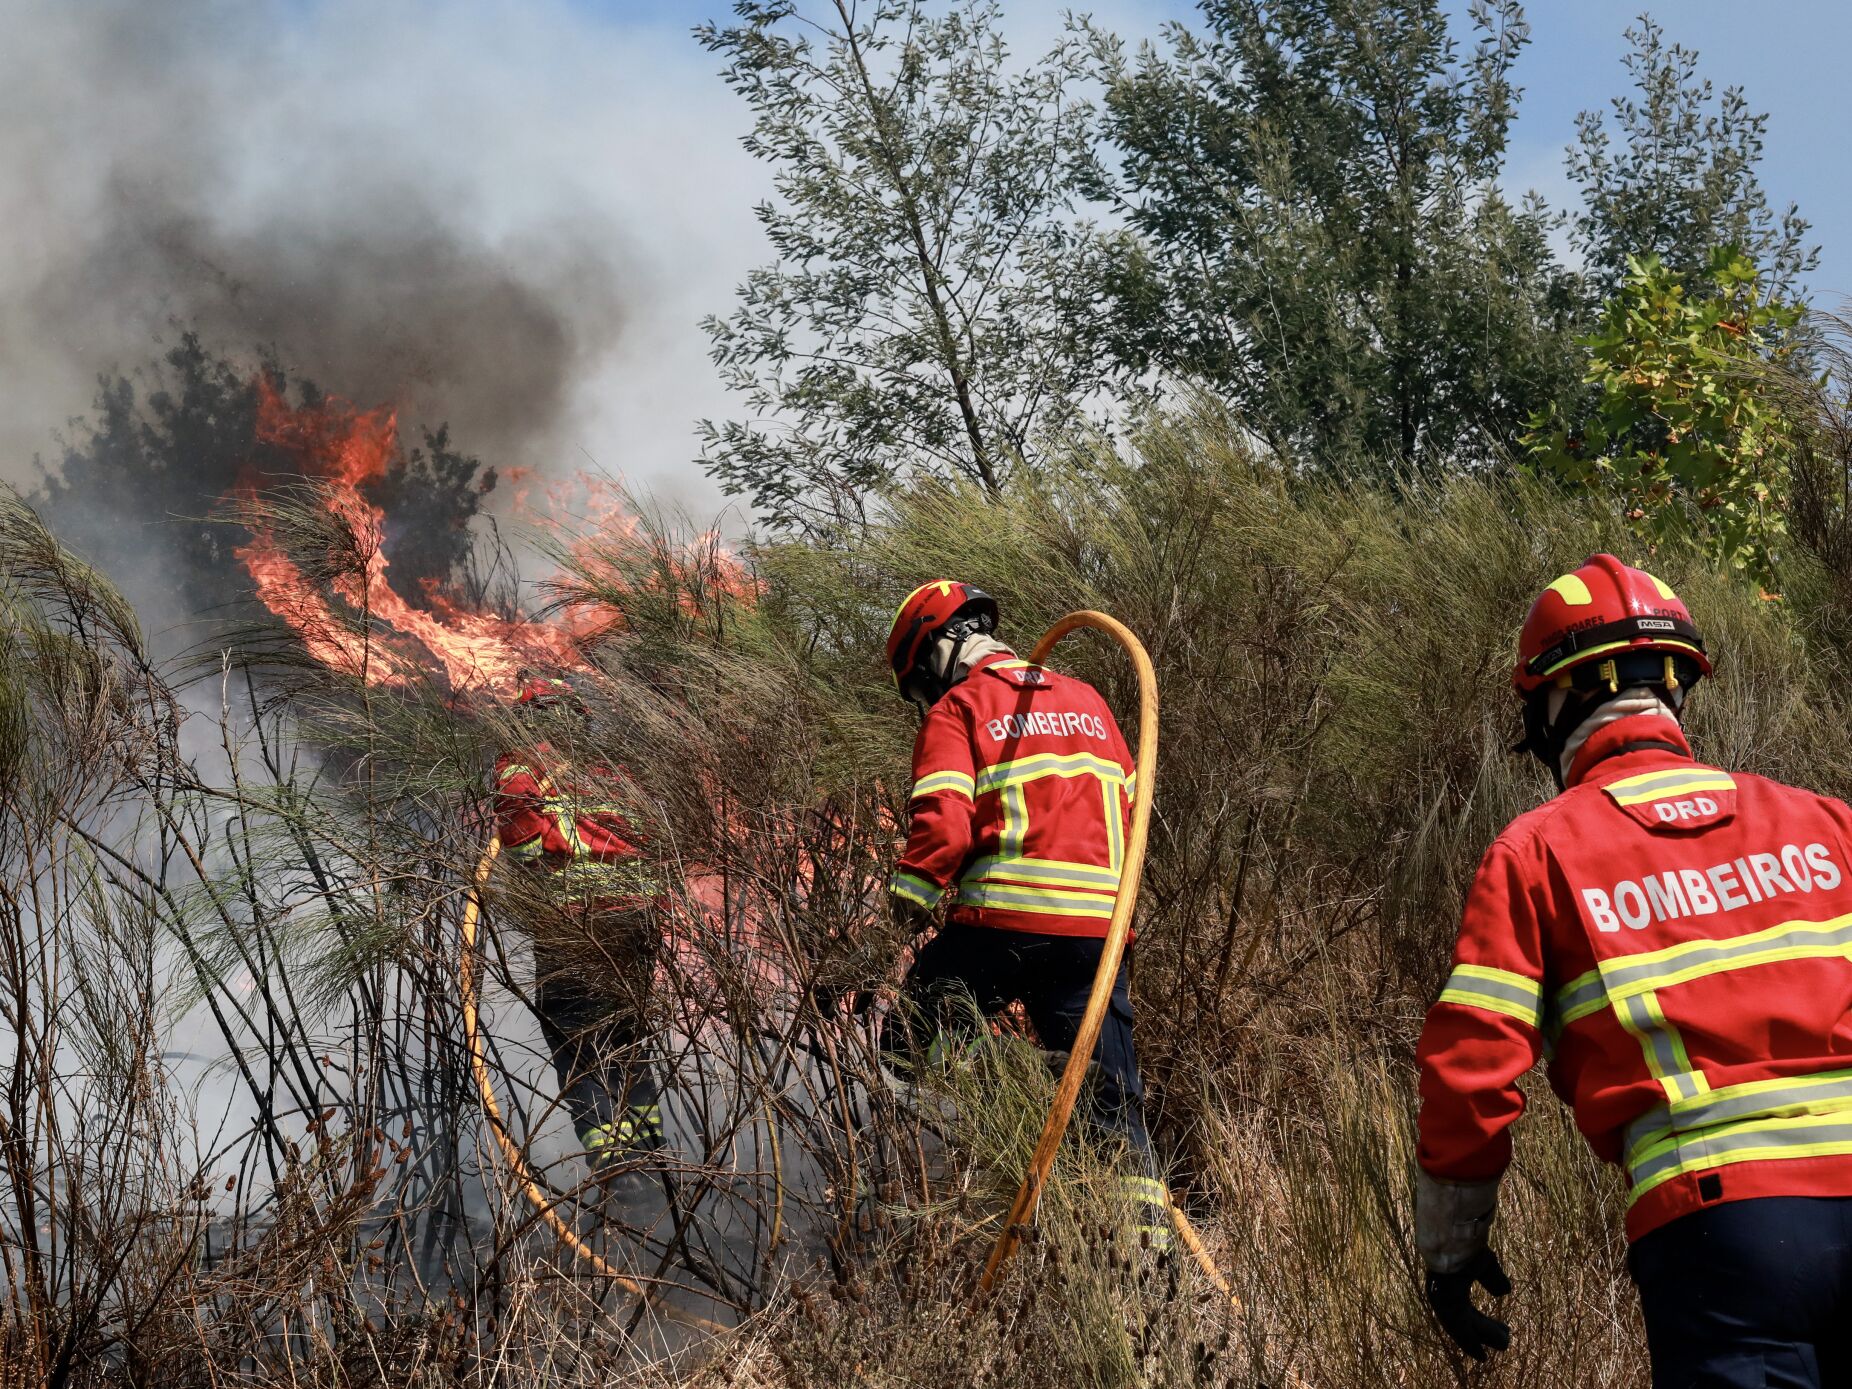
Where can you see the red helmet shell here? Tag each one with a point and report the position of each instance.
(924, 614)
(1595, 611)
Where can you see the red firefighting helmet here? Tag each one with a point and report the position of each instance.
(544, 692)
(924, 615)
(1599, 612)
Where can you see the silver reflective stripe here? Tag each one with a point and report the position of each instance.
(1750, 1139)
(1760, 1099)
(1052, 900)
(1664, 1056)
(1668, 783)
(1041, 871)
(1048, 764)
(1496, 990)
(1802, 938)
(1575, 1002)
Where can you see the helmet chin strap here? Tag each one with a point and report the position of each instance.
(944, 663)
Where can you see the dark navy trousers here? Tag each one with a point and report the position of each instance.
(1750, 1294)
(1051, 976)
(597, 1036)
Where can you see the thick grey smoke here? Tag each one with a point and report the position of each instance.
(436, 205)
(382, 298)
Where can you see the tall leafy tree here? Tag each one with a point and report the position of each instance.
(1315, 230)
(1682, 420)
(1671, 172)
(928, 308)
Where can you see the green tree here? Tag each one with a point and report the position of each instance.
(1687, 426)
(928, 308)
(1680, 179)
(140, 482)
(1316, 229)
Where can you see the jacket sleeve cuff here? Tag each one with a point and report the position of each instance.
(911, 887)
(1453, 1220)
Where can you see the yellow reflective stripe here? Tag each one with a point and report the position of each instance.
(1824, 1092)
(1580, 998)
(1047, 872)
(1749, 1140)
(1677, 964)
(1015, 830)
(1662, 785)
(584, 880)
(1645, 781)
(1146, 1189)
(1019, 897)
(1664, 1049)
(513, 769)
(1577, 658)
(913, 888)
(934, 782)
(1115, 824)
(1069, 764)
(569, 831)
(528, 848)
(1496, 991)
(1010, 780)
(568, 805)
(589, 867)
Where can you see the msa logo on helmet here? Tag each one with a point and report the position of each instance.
(1655, 624)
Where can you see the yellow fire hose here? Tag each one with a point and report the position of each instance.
(1029, 1194)
(1066, 1093)
(511, 1152)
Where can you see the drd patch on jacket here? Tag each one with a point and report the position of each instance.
(1020, 674)
(1687, 797)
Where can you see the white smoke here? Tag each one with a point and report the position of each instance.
(508, 216)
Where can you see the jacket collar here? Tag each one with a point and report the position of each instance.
(986, 662)
(1636, 743)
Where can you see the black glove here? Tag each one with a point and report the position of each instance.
(1451, 1297)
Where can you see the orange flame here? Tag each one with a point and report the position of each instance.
(380, 637)
(344, 449)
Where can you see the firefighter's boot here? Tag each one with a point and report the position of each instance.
(631, 1132)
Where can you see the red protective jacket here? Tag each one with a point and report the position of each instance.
(1676, 939)
(1022, 789)
(565, 823)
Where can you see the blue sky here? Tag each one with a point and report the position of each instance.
(1788, 56)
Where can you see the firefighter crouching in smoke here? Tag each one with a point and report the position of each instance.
(1022, 787)
(594, 916)
(1678, 940)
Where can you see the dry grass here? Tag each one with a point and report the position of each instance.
(1335, 724)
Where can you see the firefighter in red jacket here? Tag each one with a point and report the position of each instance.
(593, 909)
(1022, 788)
(1677, 939)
